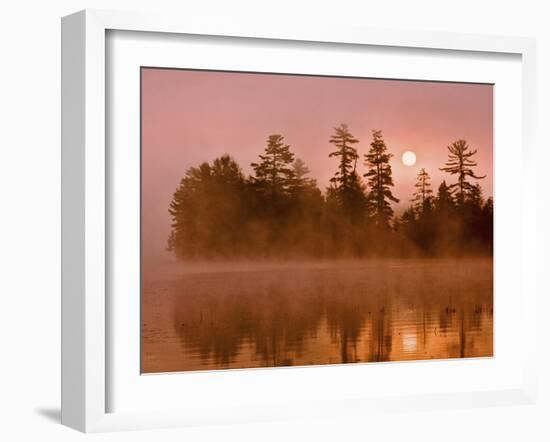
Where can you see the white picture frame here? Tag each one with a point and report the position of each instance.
(86, 203)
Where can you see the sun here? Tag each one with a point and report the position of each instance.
(408, 158)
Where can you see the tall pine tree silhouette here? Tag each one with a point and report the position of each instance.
(460, 163)
(343, 140)
(346, 185)
(379, 180)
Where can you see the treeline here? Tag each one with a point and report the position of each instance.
(280, 212)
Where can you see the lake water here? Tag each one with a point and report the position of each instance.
(331, 313)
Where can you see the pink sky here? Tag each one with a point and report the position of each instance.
(193, 116)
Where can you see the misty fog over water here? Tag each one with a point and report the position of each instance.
(240, 315)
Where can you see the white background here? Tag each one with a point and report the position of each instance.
(30, 221)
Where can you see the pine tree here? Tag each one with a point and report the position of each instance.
(475, 196)
(444, 201)
(301, 181)
(274, 175)
(346, 187)
(305, 194)
(423, 196)
(305, 211)
(379, 180)
(344, 141)
(460, 163)
(300, 169)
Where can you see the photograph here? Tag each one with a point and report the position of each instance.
(304, 220)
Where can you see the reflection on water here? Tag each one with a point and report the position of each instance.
(362, 312)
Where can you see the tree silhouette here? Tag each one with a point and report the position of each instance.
(487, 224)
(185, 210)
(444, 201)
(274, 175)
(475, 196)
(422, 197)
(304, 211)
(379, 179)
(459, 163)
(207, 209)
(301, 181)
(344, 141)
(407, 222)
(279, 212)
(346, 187)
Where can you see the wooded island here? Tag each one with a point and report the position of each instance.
(280, 212)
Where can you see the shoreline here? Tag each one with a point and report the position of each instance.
(179, 268)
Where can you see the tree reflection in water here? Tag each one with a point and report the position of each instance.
(302, 316)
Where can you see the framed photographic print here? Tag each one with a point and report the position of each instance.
(343, 246)
(292, 222)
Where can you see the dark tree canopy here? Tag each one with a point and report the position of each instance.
(379, 180)
(206, 209)
(280, 212)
